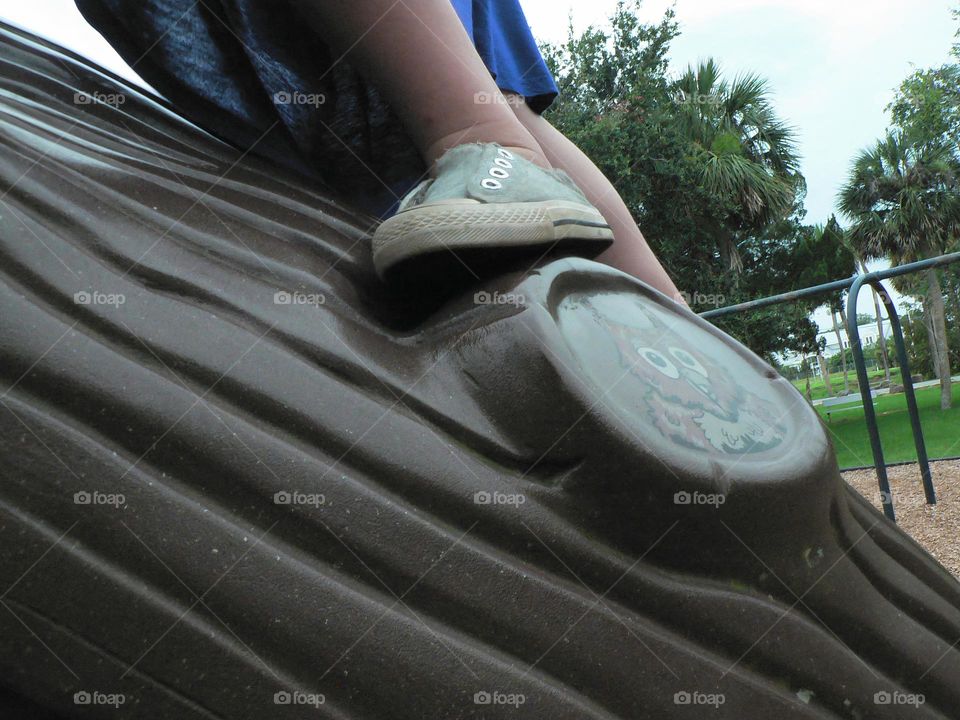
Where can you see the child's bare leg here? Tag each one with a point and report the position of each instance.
(421, 59)
(630, 251)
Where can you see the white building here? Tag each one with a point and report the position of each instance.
(868, 336)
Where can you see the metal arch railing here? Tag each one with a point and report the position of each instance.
(854, 284)
(853, 335)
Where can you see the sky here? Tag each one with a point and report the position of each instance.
(832, 65)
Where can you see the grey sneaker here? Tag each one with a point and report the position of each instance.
(484, 202)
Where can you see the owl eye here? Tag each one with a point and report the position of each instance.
(659, 361)
(687, 360)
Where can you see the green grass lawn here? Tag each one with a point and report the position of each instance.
(818, 388)
(941, 429)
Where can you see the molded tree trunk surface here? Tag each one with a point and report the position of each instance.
(239, 478)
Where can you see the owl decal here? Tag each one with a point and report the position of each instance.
(691, 399)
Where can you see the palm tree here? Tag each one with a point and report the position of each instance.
(877, 314)
(843, 348)
(904, 200)
(821, 256)
(842, 260)
(916, 286)
(746, 156)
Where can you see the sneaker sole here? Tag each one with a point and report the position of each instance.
(464, 229)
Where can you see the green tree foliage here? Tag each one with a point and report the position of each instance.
(746, 157)
(927, 104)
(903, 196)
(822, 255)
(707, 169)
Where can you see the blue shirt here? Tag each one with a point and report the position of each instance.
(503, 39)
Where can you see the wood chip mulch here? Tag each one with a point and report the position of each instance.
(935, 527)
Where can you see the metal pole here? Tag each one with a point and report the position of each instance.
(777, 299)
(854, 284)
(908, 391)
(831, 286)
(869, 414)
